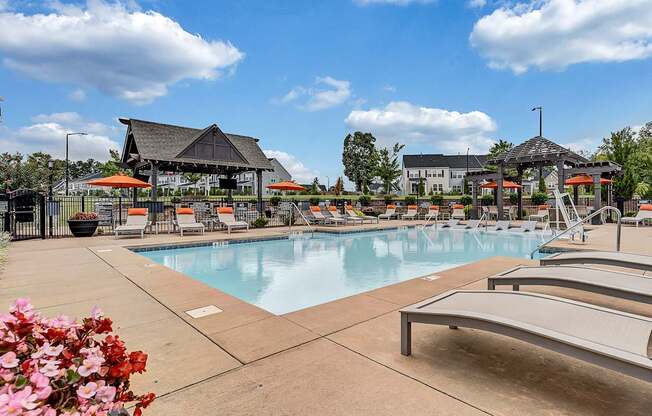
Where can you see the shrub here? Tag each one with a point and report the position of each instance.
(388, 199)
(175, 200)
(487, 199)
(65, 367)
(466, 200)
(253, 201)
(260, 222)
(629, 214)
(467, 210)
(410, 200)
(436, 199)
(275, 200)
(364, 200)
(84, 216)
(513, 198)
(539, 198)
(314, 201)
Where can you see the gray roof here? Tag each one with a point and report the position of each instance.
(538, 149)
(279, 168)
(164, 142)
(442, 161)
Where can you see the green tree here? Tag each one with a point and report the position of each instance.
(621, 147)
(359, 158)
(499, 148)
(192, 178)
(388, 169)
(112, 166)
(421, 189)
(314, 189)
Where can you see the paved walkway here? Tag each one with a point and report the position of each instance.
(339, 358)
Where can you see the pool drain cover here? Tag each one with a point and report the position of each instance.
(204, 311)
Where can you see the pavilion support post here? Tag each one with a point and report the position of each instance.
(154, 181)
(229, 193)
(597, 192)
(560, 176)
(259, 189)
(474, 197)
(576, 194)
(519, 194)
(610, 200)
(499, 192)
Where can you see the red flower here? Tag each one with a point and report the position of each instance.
(121, 370)
(138, 360)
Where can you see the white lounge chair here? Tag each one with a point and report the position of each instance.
(470, 225)
(336, 214)
(226, 218)
(500, 226)
(319, 217)
(458, 212)
(350, 213)
(450, 223)
(542, 214)
(137, 222)
(186, 221)
(433, 213)
(525, 227)
(644, 213)
(390, 212)
(411, 214)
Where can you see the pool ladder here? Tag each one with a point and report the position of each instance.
(312, 230)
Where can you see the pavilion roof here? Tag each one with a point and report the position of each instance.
(536, 151)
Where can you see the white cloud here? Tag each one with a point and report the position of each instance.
(327, 92)
(47, 133)
(77, 95)
(553, 34)
(392, 2)
(445, 130)
(476, 4)
(297, 169)
(114, 48)
(4, 4)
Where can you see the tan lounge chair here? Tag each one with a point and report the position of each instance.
(350, 213)
(411, 214)
(525, 227)
(319, 217)
(226, 218)
(433, 213)
(542, 214)
(450, 223)
(612, 339)
(390, 212)
(609, 258)
(186, 221)
(336, 214)
(137, 222)
(458, 212)
(607, 282)
(501, 225)
(644, 213)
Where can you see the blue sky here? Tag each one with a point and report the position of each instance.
(439, 76)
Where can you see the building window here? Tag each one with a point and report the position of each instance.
(457, 189)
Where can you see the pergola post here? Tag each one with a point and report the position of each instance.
(474, 197)
(259, 189)
(229, 193)
(154, 168)
(597, 192)
(560, 176)
(576, 194)
(519, 193)
(499, 192)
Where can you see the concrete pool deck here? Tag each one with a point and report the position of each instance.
(338, 358)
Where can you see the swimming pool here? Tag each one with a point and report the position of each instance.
(288, 274)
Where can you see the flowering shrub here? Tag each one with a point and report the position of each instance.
(60, 367)
(84, 216)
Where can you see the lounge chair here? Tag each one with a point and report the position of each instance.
(600, 336)
(433, 213)
(411, 213)
(501, 225)
(491, 211)
(525, 227)
(542, 213)
(644, 213)
(390, 212)
(186, 221)
(470, 225)
(226, 218)
(609, 258)
(137, 222)
(450, 223)
(607, 282)
(321, 218)
(350, 213)
(458, 212)
(336, 214)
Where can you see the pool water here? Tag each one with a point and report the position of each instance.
(285, 275)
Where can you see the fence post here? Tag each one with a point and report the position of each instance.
(83, 204)
(41, 203)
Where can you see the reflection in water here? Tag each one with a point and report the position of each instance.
(290, 274)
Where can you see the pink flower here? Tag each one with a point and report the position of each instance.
(50, 369)
(90, 365)
(96, 312)
(53, 351)
(13, 404)
(105, 394)
(9, 360)
(42, 385)
(21, 305)
(87, 391)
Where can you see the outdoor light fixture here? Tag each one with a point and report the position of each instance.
(67, 175)
(540, 119)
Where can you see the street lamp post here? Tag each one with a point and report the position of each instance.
(51, 169)
(540, 119)
(67, 174)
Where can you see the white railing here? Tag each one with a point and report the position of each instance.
(580, 223)
(292, 204)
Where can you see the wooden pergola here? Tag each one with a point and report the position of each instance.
(538, 152)
(151, 148)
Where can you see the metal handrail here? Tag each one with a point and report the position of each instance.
(302, 216)
(567, 230)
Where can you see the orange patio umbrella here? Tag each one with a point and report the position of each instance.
(286, 186)
(494, 185)
(119, 181)
(585, 180)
